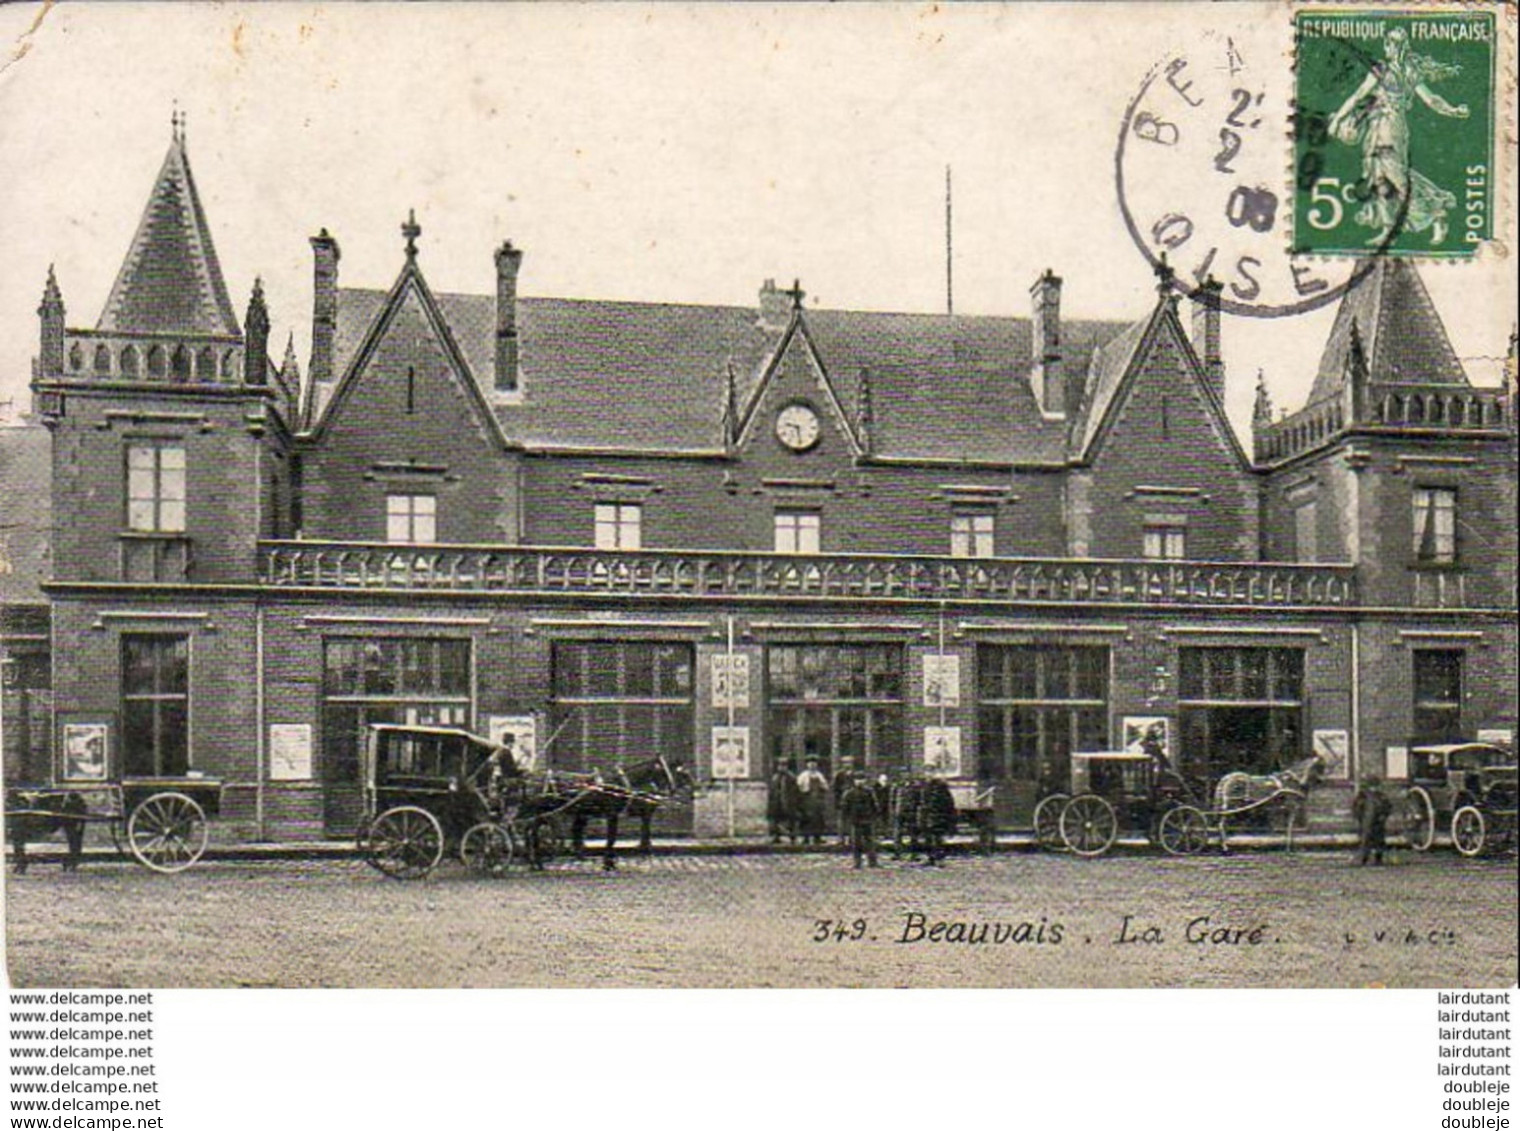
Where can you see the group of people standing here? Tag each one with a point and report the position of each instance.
(801, 807)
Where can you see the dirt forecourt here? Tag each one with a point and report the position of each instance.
(1306, 919)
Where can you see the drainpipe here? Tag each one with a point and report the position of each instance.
(1356, 701)
(258, 711)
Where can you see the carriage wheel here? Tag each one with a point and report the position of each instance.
(1047, 821)
(1468, 830)
(1089, 825)
(167, 832)
(1419, 819)
(405, 843)
(486, 848)
(1184, 831)
(548, 838)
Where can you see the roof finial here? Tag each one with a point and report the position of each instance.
(411, 230)
(797, 294)
(177, 124)
(1165, 276)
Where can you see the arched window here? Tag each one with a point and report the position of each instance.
(102, 359)
(129, 362)
(158, 362)
(229, 366)
(1437, 410)
(205, 365)
(76, 357)
(181, 363)
(1417, 410)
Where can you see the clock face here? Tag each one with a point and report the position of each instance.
(797, 427)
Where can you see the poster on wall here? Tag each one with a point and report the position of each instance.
(84, 751)
(524, 732)
(1334, 746)
(942, 681)
(1398, 763)
(289, 751)
(942, 751)
(730, 680)
(730, 753)
(1148, 734)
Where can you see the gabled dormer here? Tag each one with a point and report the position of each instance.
(168, 419)
(404, 445)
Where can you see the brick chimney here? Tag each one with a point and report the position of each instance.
(50, 353)
(508, 264)
(1047, 377)
(1206, 332)
(256, 338)
(324, 305)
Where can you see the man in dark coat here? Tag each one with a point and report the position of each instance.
(781, 804)
(937, 816)
(813, 802)
(858, 812)
(1371, 808)
(843, 778)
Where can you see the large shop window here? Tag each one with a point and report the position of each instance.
(835, 701)
(1437, 695)
(156, 488)
(1035, 705)
(155, 705)
(620, 701)
(1240, 709)
(416, 681)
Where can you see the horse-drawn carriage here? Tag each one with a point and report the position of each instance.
(1129, 792)
(912, 814)
(160, 822)
(432, 792)
(1466, 787)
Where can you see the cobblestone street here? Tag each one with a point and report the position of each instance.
(1301, 919)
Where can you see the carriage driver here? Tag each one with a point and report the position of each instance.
(498, 769)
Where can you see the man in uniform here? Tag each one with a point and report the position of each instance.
(857, 811)
(937, 816)
(781, 804)
(1371, 808)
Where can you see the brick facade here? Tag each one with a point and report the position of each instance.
(1134, 543)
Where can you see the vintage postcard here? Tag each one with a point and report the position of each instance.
(731, 496)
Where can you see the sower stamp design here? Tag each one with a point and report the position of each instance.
(1393, 144)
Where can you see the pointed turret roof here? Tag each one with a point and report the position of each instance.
(171, 281)
(1388, 315)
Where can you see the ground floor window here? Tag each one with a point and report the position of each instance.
(620, 701)
(1035, 705)
(1437, 695)
(155, 705)
(835, 702)
(1239, 709)
(415, 681)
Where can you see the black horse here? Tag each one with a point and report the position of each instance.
(634, 790)
(33, 815)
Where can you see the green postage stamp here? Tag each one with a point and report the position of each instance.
(1394, 128)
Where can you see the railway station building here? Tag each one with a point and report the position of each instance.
(748, 536)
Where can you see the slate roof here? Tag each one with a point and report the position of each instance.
(651, 376)
(26, 514)
(1403, 338)
(171, 280)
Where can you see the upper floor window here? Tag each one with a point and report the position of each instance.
(971, 534)
(156, 488)
(1435, 525)
(1165, 543)
(798, 532)
(411, 518)
(619, 526)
